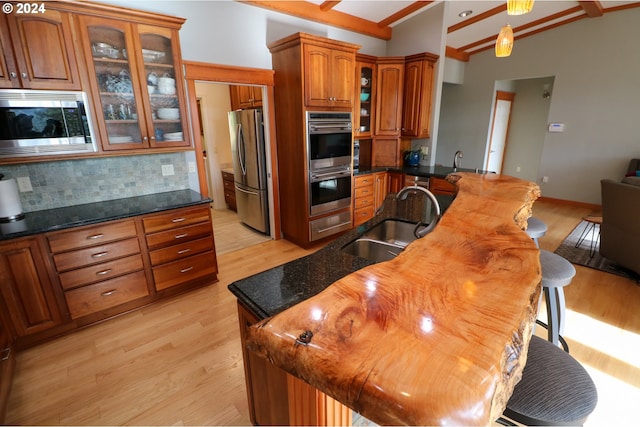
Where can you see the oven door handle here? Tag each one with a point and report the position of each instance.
(331, 127)
(329, 175)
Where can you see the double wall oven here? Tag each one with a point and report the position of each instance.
(329, 139)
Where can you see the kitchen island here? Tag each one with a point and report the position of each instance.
(438, 335)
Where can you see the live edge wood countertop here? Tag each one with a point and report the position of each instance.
(437, 336)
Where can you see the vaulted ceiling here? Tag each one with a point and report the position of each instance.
(467, 34)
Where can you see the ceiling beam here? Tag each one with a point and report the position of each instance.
(593, 9)
(454, 53)
(312, 12)
(404, 13)
(484, 15)
(327, 5)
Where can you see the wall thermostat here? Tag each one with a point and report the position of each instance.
(556, 127)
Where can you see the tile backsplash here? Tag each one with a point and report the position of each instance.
(75, 182)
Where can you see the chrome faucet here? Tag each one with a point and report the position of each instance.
(456, 159)
(402, 195)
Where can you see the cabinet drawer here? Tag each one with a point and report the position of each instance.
(91, 236)
(183, 250)
(441, 185)
(176, 218)
(362, 215)
(363, 181)
(227, 176)
(96, 254)
(362, 202)
(107, 294)
(229, 196)
(100, 272)
(364, 192)
(229, 186)
(179, 235)
(182, 271)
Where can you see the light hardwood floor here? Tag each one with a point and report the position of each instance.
(179, 362)
(231, 234)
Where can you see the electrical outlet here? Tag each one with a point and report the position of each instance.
(425, 150)
(24, 184)
(545, 179)
(192, 167)
(517, 168)
(167, 170)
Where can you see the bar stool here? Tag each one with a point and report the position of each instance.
(557, 272)
(555, 389)
(536, 229)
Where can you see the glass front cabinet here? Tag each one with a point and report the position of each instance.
(136, 82)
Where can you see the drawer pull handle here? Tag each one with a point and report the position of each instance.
(184, 251)
(109, 293)
(178, 219)
(95, 236)
(185, 270)
(181, 236)
(5, 354)
(99, 254)
(103, 272)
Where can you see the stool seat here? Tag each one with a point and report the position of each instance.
(556, 273)
(536, 228)
(554, 390)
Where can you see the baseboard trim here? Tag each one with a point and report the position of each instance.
(571, 203)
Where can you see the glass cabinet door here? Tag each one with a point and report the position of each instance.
(364, 104)
(163, 79)
(115, 79)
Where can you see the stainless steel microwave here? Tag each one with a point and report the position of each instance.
(44, 122)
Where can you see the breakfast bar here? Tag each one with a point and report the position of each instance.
(438, 335)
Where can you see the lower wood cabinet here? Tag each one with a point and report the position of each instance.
(229, 190)
(278, 398)
(369, 193)
(26, 287)
(441, 186)
(7, 360)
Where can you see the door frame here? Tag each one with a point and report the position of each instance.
(500, 96)
(217, 73)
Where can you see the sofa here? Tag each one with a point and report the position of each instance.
(620, 229)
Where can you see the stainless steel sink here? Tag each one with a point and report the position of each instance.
(383, 242)
(373, 250)
(392, 231)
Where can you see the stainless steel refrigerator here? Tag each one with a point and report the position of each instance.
(250, 168)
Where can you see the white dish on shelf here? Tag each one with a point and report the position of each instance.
(178, 135)
(104, 50)
(168, 113)
(152, 55)
(120, 139)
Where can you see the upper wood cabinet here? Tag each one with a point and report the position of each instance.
(418, 85)
(328, 76)
(364, 104)
(37, 51)
(389, 91)
(136, 82)
(243, 97)
(26, 287)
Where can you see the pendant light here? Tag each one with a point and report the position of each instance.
(504, 43)
(519, 7)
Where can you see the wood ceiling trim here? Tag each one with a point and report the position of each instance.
(593, 9)
(454, 53)
(327, 5)
(478, 18)
(414, 7)
(312, 12)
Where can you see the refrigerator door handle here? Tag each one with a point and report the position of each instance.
(241, 150)
(253, 193)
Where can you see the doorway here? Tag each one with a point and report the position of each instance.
(208, 88)
(499, 130)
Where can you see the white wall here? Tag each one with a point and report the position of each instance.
(596, 64)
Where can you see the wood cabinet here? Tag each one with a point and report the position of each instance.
(303, 87)
(418, 86)
(389, 92)
(364, 97)
(388, 151)
(243, 97)
(396, 181)
(363, 198)
(7, 359)
(229, 185)
(38, 51)
(136, 79)
(328, 75)
(99, 267)
(26, 287)
(181, 246)
(278, 398)
(441, 186)
(380, 188)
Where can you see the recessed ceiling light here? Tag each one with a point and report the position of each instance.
(465, 13)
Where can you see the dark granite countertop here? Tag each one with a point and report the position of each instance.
(279, 288)
(92, 213)
(438, 171)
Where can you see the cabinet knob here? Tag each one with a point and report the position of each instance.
(153, 138)
(145, 139)
(13, 74)
(24, 75)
